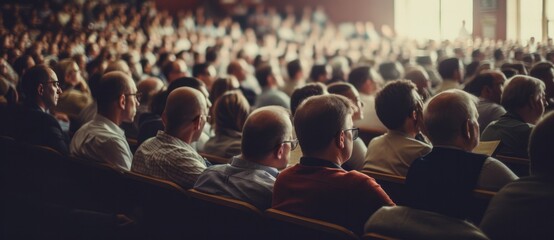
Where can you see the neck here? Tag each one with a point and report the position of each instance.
(112, 116)
(328, 155)
(183, 134)
(527, 115)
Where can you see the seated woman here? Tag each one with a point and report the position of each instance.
(230, 113)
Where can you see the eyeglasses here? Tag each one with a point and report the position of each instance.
(293, 144)
(54, 83)
(138, 95)
(355, 132)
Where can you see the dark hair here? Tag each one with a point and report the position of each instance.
(390, 70)
(359, 75)
(318, 70)
(471, 68)
(319, 119)
(541, 70)
(498, 54)
(308, 90)
(395, 102)
(231, 111)
(262, 73)
(293, 67)
(199, 69)
(31, 79)
(540, 147)
(476, 85)
(448, 67)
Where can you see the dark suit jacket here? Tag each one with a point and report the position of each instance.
(28, 123)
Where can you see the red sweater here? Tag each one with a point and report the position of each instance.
(329, 194)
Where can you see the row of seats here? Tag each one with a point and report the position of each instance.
(49, 196)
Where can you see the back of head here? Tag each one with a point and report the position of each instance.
(221, 86)
(396, 102)
(317, 71)
(419, 76)
(340, 88)
(231, 111)
(31, 79)
(519, 90)
(185, 82)
(118, 65)
(448, 67)
(148, 88)
(109, 89)
(545, 72)
(446, 113)
(293, 67)
(540, 147)
(264, 129)
(199, 69)
(391, 71)
(359, 75)
(262, 73)
(476, 85)
(183, 105)
(319, 119)
(301, 94)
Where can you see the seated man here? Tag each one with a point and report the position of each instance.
(169, 155)
(399, 107)
(266, 145)
(31, 122)
(401, 222)
(524, 99)
(102, 139)
(523, 209)
(368, 82)
(443, 180)
(318, 187)
(488, 87)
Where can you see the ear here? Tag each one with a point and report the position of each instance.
(121, 101)
(466, 129)
(197, 125)
(340, 140)
(40, 89)
(279, 152)
(414, 115)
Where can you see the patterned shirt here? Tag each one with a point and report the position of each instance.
(242, 179)
(167, 157)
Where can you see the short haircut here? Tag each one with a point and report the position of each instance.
(231, 111)
(293, 67)
(540, 147)
(340, 88)
(262, 73)
(448, 67)
(319, 119)
(541, 70)
(308, 90)
(476, 85)
(446, 112)
(109, 89)
(318, 70)
(31, 79)
(519, 90)
(391, 70)
(263, 130)
(200, 69)
(395, 102)
(359, 75)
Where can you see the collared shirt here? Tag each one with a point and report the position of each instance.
(316, 162)
(488, 112)
(103, 141)
(244, 180)
(394, 152)
(168, 157)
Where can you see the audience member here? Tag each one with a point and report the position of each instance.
(544, 71)
(76, 95)
(488, 87)
(400, 108)
(31, 122)
(169, 155)
(230, 112)
(271, 93)
(452, 73)
(296, 77)
(318, 187)
(367, 81)
(206, 73)
(356, 161)
(237, 70)
(443, 180)
(524, 100)
(102, 139)
(523, 209)
(420, 78)
(266, 145)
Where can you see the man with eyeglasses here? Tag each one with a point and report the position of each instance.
(31, 122)
(169, 155)
(266, 145)
(102, 139)
(318, 187)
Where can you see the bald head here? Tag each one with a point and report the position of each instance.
(149, 87)
(183, 106)
(265, 129)
(446, 114)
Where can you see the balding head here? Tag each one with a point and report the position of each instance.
(237, 69)
(185, 107)
(175, 69)
(450, 116)
(264, 130)
(110, 88)
(118, 65)
(148, 88)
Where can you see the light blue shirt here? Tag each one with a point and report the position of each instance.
(243, 180)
